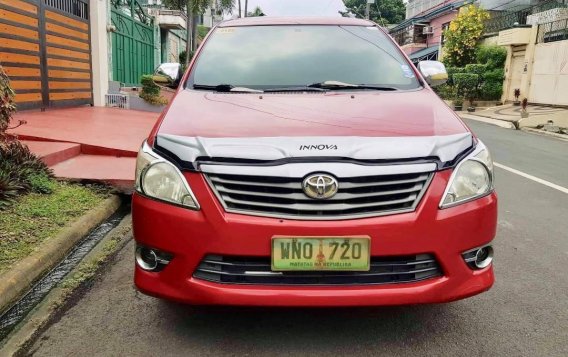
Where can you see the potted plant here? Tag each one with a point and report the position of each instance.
(466, 85)
(517, 94)
(458, 104)
(524, 113)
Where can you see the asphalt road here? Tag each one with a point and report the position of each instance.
(525, 314)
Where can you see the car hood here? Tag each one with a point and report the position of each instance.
(366, 125)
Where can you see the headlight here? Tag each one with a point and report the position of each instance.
(160, 179)
(471, 179)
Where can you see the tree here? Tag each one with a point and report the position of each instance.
(383, 12)
(462, 36)
(192, 9)
(257, 12)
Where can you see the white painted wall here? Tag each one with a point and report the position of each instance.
(549, 82)
(99, 13)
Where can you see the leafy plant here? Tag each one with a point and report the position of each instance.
(20, 170)
(41, 183)
(9, 189)
(7, 105)
(494, 75)
(466, 84)
(151, 91)
(462, 36)
(446, 91)
(451, 71)
(491, 90)
(492, 56)
(476, 68)
(382, 12)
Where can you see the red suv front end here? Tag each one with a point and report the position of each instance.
(258, 188)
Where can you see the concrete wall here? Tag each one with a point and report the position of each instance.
(549, 80)
(540, 70)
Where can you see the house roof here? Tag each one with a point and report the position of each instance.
(430, 14)
(269, 20)
(424, 52)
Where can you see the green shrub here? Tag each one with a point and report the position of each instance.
(446, 91)
(151, 91)
(20, 170)
(9, 189)
(476, 68)
(451, 71)
(491, 91)
(491, 55)
(466, 84)
(494, 75)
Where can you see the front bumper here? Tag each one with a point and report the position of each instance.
(191, 235)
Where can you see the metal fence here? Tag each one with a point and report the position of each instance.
(79, 8)
(553, 31)
(518, 15)
(117, 101)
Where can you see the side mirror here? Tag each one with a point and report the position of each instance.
(168, 74)
(434, 72)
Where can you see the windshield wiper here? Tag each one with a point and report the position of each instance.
(295, 89)
(336, 85)
(226, 88)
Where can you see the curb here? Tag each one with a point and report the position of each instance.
(24, 273)
(26, 333)
(546, 133)
(496, 122)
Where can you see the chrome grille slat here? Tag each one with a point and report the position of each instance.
(298, 195)
(372, 194)
(257, 271)
(327, 207)
(292, 184)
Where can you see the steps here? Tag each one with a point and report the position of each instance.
(115, 171)
(51, 152)
(71, 161)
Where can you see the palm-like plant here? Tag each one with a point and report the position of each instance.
(193, 8)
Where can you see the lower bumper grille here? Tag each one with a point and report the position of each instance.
(257, 271)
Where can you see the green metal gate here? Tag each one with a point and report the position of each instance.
(132, 42)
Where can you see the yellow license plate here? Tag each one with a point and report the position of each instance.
(321, 253)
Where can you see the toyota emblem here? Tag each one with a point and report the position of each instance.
(320, 186)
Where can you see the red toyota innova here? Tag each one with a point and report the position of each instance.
(307, 162)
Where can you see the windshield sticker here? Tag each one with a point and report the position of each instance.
(226, 30)
(374, 28)
(407, 71)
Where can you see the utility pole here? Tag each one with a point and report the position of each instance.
(368, 9)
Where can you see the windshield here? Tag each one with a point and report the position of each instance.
(265, 57)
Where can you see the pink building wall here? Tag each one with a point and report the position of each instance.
(437, 23)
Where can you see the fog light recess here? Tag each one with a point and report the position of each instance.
(479, 258)
(152, 259)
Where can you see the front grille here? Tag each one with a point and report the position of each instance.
(362, 196)
(257, 271)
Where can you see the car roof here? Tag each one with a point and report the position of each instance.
(269, 20)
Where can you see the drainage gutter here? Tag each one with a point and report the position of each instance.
(23, 274)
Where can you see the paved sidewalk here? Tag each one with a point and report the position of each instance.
(538, 115)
